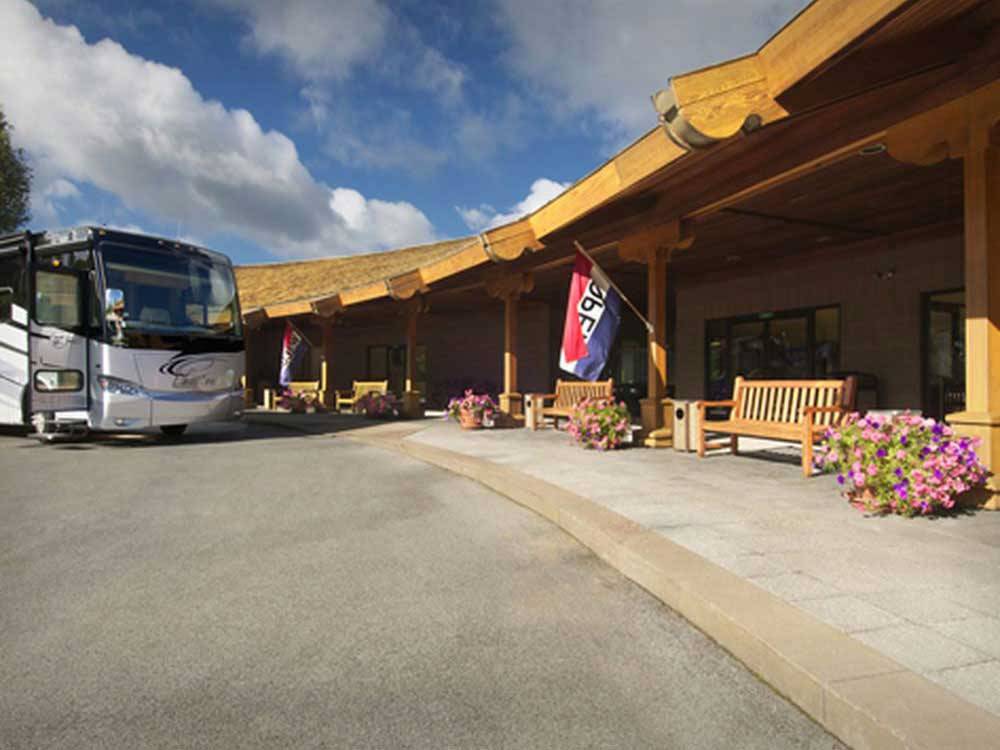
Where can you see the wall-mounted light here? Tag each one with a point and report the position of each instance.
(885, 275)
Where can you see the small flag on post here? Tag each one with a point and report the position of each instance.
(292, 345)
(593, 314)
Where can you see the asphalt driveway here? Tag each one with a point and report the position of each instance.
(254, 588)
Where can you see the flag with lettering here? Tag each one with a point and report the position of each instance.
(593, 314)
(292, 345)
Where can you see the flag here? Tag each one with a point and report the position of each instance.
(593, 313)
(292, 345)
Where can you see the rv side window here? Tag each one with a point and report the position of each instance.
(57, 299)
(12, 275)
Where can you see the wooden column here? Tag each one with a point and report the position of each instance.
(252, 324)
(412, 406)
(328, 393)
(657, 434)
(981, 417)
(967, 128)
(510, 309)
(653, 247)
(509, 287)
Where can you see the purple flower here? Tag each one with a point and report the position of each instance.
(881, 453)
(840, 479)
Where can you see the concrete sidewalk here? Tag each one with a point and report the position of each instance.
(886, 630)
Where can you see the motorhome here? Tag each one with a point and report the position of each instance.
(106, 330)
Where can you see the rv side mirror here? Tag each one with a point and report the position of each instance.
(114, 305)
(6, 303)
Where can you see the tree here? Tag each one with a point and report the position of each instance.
(15, 181)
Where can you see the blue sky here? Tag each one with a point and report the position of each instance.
(301, 128)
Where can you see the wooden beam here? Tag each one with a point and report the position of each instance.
(504, 285)
(254, 319)
(824, 29)
(405, 285)
(510, 241)
(469, 257)
(643, 158)
(287, 309)
(945, 132)
(643, 246)
(704, 107)
(327, 307)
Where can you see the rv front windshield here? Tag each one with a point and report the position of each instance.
(172, 291)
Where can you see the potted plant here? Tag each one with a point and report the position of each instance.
(472, 409)
(600, 423)
(377, 406)
(907, 465)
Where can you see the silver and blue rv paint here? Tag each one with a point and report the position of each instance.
(114, 331)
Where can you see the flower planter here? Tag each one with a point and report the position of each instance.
(860, 500)
(469, 421)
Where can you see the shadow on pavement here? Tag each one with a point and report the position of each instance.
(267, 426)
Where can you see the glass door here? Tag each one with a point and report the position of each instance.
(944, 353)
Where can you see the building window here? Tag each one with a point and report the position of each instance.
(780, 345)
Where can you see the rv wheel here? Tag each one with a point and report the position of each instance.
(173, 430)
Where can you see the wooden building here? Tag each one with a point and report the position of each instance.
(830, 203)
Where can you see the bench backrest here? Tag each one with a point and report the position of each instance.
(784, 400)
(299, 387)
(571, 392)
(364, 387)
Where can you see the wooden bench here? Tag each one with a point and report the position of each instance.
(571, 392)
(359, 390)
(797, 411)
(296, 388)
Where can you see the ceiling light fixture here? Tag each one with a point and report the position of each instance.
(872, 149)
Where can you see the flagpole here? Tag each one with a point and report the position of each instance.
(585, 254)
(304, 337)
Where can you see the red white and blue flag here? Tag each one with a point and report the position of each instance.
(292, 345)
(593, 314)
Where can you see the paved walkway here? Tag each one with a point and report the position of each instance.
(925, 592)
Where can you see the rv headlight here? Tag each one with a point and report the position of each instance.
(119, 387)
(58, 380)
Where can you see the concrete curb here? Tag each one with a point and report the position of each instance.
(859, 695)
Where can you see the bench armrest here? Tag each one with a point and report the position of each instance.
(702, 405)
(548, 396)
(809, 412)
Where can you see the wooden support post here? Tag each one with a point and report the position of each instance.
(653, 247)
(981, 417)
(656, 433)
(967, 128)
(327, 390)
(510, 399)
(412, 406)
(509, 287)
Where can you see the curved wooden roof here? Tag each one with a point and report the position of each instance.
(698, 110)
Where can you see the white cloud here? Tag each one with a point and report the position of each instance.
(320, 39)
(606, 57)
(380, 138)
(326, 40)
(137, 129)
(484, 217)
(49, 195)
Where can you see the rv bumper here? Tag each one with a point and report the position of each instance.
(135, 412)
